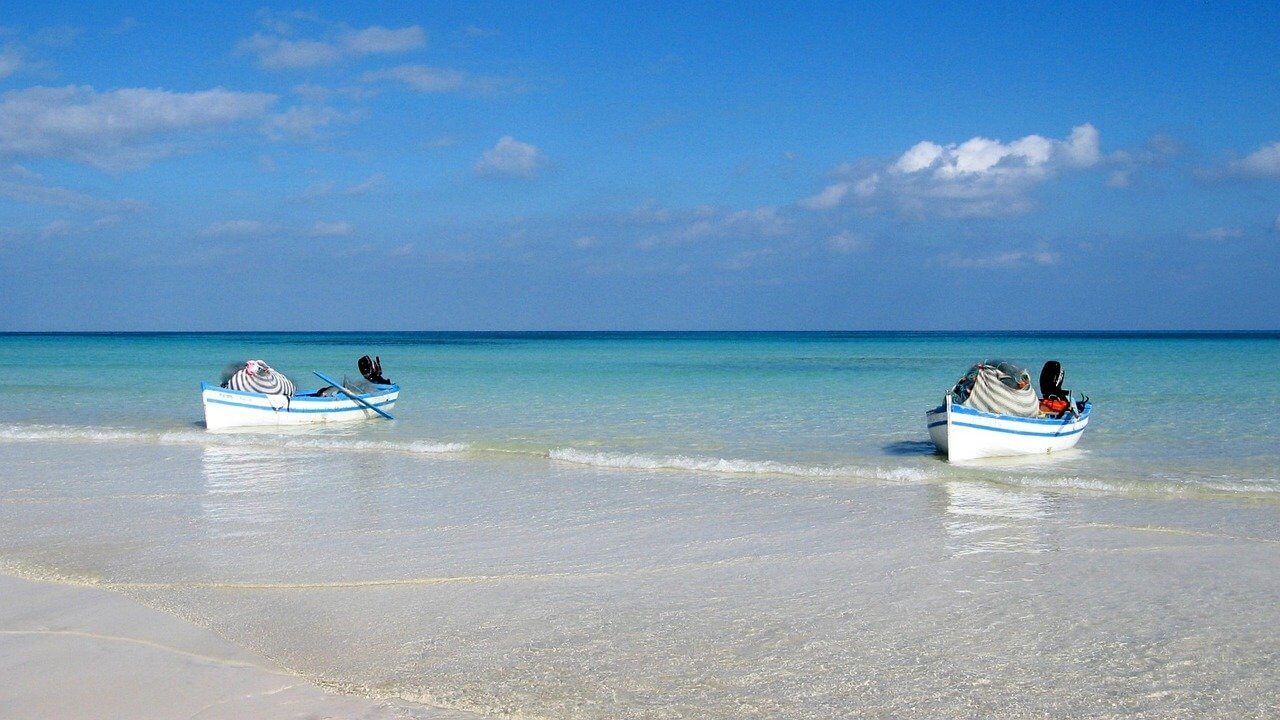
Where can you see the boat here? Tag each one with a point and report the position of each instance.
(993, 412)
(239, 406)
(964, 433)
(225, 408)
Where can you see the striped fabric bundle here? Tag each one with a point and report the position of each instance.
(257, 377)
(994, 392)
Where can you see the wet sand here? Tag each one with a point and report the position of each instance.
(78, 652)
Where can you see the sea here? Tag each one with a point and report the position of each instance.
(676, 524)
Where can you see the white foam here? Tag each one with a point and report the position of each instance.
(635, 461)
(55, 433)
(69, 433)
(1147, 486)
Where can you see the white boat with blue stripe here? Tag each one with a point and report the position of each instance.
(964, 433)
(224, 408)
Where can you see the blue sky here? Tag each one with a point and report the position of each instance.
(639, 166)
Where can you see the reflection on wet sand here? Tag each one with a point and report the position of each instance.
(246, 489)
(982, 517)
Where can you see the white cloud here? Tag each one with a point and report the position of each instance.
(330, 188)
(420, 77)
(118, 129)
(377, 39)
(845, 242)
(10, 61)
(441, 141)
(374, 182)
(331, 229)
(978, 177)
(1083, 148)
(307, 121)
(1217, 234)
(1262, 163)
(921, 155)
(747, 258)
(322, 93)
(41, 194)
(511, 158)
(236, 228)
(22, 185)
(427, 79)
(1002, 261)
(66, 228)
(585, 242)
(831, 196)
(761, 222)
(55, 35)
(651, 213)
(256, 229)
(277, 52)
(56, 229)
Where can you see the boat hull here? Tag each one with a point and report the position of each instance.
(224, 408)
(967, 434)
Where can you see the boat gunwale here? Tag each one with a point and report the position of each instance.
(963, 410)
(383, 390)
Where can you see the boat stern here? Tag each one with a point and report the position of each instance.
(938, 424)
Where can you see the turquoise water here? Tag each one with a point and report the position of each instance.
(676, 525)
(1172, 413)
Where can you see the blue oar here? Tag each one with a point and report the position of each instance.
(337, 385)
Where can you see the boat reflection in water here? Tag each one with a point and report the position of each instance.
(246, 489)
(984, 517)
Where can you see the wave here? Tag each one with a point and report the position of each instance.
(65, 433)
(1035, 474)
(733, 466)
(1191, 487)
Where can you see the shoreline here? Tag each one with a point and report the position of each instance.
(73, 651)
(431, 588)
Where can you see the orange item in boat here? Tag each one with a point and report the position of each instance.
(1054, 406)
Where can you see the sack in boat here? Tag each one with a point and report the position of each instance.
(257, 377)
(1001, 388)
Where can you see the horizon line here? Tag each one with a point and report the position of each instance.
(1188, 331)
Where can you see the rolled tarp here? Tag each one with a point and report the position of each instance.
(998, 387)
(258, 377)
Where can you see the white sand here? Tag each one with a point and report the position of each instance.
(80, 652)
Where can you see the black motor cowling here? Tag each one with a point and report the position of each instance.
(1051, 381)
(371, 369)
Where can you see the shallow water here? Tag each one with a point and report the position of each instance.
(700, 527)
(1172, 413)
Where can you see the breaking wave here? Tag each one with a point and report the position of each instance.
(1140, 485)
(1031, 475)
(734, 466)
(64, 433)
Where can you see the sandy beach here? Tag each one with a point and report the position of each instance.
(80, 652)
(439, 586)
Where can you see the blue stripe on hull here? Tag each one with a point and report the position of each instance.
(290, 409)
(1015, 432)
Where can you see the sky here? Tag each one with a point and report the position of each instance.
(647, 166)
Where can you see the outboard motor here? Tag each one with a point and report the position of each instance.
(371, 369)
(1051, 382)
